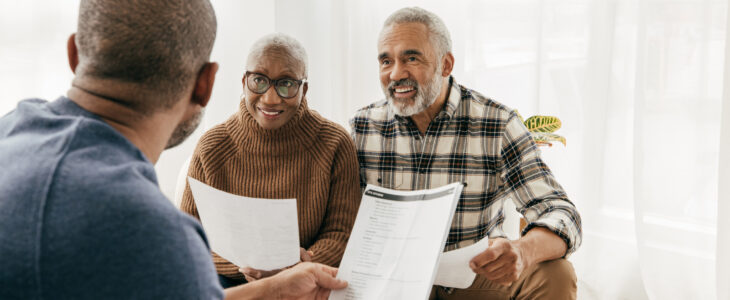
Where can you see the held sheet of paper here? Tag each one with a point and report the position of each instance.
(249, 232)
(396, 243)
(454, 270)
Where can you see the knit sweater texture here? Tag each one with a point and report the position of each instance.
(309, 158)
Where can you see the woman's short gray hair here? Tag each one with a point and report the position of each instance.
(440, 37)
(283, 44)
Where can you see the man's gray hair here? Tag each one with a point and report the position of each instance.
(159, 45)
(439, 34)
(278, 43)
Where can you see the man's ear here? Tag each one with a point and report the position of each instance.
(305, 88)
(73, 52)
(204, 84)
(448, 63)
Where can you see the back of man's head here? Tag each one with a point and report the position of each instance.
(158, 46)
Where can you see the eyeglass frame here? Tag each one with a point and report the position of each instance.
(273, 82)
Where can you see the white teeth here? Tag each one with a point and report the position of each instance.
(270, 113)
(403, 90)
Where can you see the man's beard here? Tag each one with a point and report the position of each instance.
(184, 130)
(423, 99)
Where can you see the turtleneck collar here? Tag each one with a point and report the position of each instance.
(296, 135)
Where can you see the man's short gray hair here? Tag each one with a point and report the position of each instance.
(292, 51)
(159, 45)
(439, 34)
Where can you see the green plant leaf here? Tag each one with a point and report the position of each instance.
(548, 137)
(543, 124)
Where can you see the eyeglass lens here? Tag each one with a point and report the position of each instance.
(285, 87)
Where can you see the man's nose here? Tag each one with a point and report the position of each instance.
(398, 72)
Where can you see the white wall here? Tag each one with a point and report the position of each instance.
(33, 59)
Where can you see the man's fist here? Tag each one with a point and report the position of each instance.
(502, 262)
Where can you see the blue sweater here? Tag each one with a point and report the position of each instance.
(82, 216)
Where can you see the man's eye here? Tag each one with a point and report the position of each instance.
(385, 62)
(286, 83)
(259, 80)
(411, 58)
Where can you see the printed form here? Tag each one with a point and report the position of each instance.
(396, 243)
(249, 232)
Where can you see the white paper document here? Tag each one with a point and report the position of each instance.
(454, 270)
(249, 232)
(396, 243)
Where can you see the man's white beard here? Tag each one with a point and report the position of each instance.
(423, 99)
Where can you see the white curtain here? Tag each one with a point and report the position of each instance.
(638, 84)
(723, 203)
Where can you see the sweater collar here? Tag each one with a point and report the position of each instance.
(296, 135)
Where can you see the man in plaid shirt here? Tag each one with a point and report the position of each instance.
(430, 131)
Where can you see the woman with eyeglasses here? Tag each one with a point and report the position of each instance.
(275, 147)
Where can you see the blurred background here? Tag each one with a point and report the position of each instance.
(638, 84)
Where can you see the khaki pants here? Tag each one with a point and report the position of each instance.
(554, 279)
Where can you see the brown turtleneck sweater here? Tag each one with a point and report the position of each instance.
(309, 158)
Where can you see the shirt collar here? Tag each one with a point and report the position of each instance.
(452, 103)
(65, 106)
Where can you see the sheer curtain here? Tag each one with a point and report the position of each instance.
(723, 203)
(638, 84)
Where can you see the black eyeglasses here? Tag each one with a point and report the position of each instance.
(284, 87)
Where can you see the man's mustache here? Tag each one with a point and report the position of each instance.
(402, 82)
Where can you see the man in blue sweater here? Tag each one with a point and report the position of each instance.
(81, 214)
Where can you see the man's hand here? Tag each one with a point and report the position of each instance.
(306, 281)
(502, 262)
(252, 274)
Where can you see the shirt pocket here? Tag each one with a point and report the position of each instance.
(391, 179)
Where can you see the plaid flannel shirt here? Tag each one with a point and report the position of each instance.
(473, 140)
